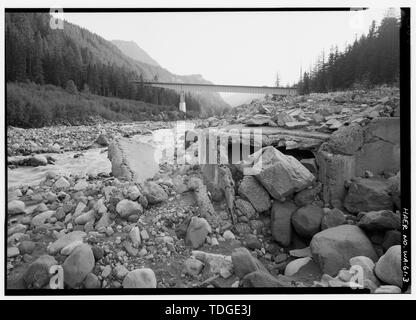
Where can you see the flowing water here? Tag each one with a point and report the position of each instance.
(92, 161)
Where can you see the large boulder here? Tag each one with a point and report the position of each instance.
(154, 192)
(140, 278)
(389, 267)
(37, 274)
(78, 265)
(366, 195)
(347, 140)
(379, 220)
(307, 220)
(252, 190)
(281, 226)
(132, 159)
(333, 248)
(280, 175)
(197, 232)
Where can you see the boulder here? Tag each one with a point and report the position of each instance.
(126, 208)
(388, 267)
(388, 290)
(37, 275)
(244, 263)
(15, 207)
(281, 227)
(215, 263)
(282, 118)
(132, 159)
(65, 240)
(78, 265)
(394, 189)
(332, 218)
(245, 208)
(347, 140)
(91, 281)
(366, 195)
(61, 183)
(307, 196)
(38, 160)
(103, 140)
(279, 174)
(197, 232)
(85, 217)
(391, 238)
(332, 248)
(140, 278)
(379, 220)
(307, 220)
(294, 266)
(154, 193)
(252, 190)
(135, 237)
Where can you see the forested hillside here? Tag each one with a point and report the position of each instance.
(39, 54)
(371, 60)
(34, 105)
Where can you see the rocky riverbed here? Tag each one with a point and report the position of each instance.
(190, 225)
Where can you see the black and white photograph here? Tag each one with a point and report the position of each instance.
(188, 150)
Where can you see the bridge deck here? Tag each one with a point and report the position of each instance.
(220, 88)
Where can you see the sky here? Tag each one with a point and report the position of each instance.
(246, 48)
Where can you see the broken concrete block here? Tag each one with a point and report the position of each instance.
(280, 175)
(334, 170)
(132, 159)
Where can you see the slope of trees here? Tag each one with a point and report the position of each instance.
(371, 60)
(33, 105)
(77, 58)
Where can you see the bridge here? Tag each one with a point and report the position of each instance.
(182, 87)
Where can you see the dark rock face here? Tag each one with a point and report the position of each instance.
(379, 220)
(332, 248)
(307, 220)
(281, 227)
(368, 195)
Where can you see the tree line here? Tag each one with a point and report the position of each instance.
(371, 60)
(73, 59)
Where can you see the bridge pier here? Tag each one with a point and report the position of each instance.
(182, 104)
